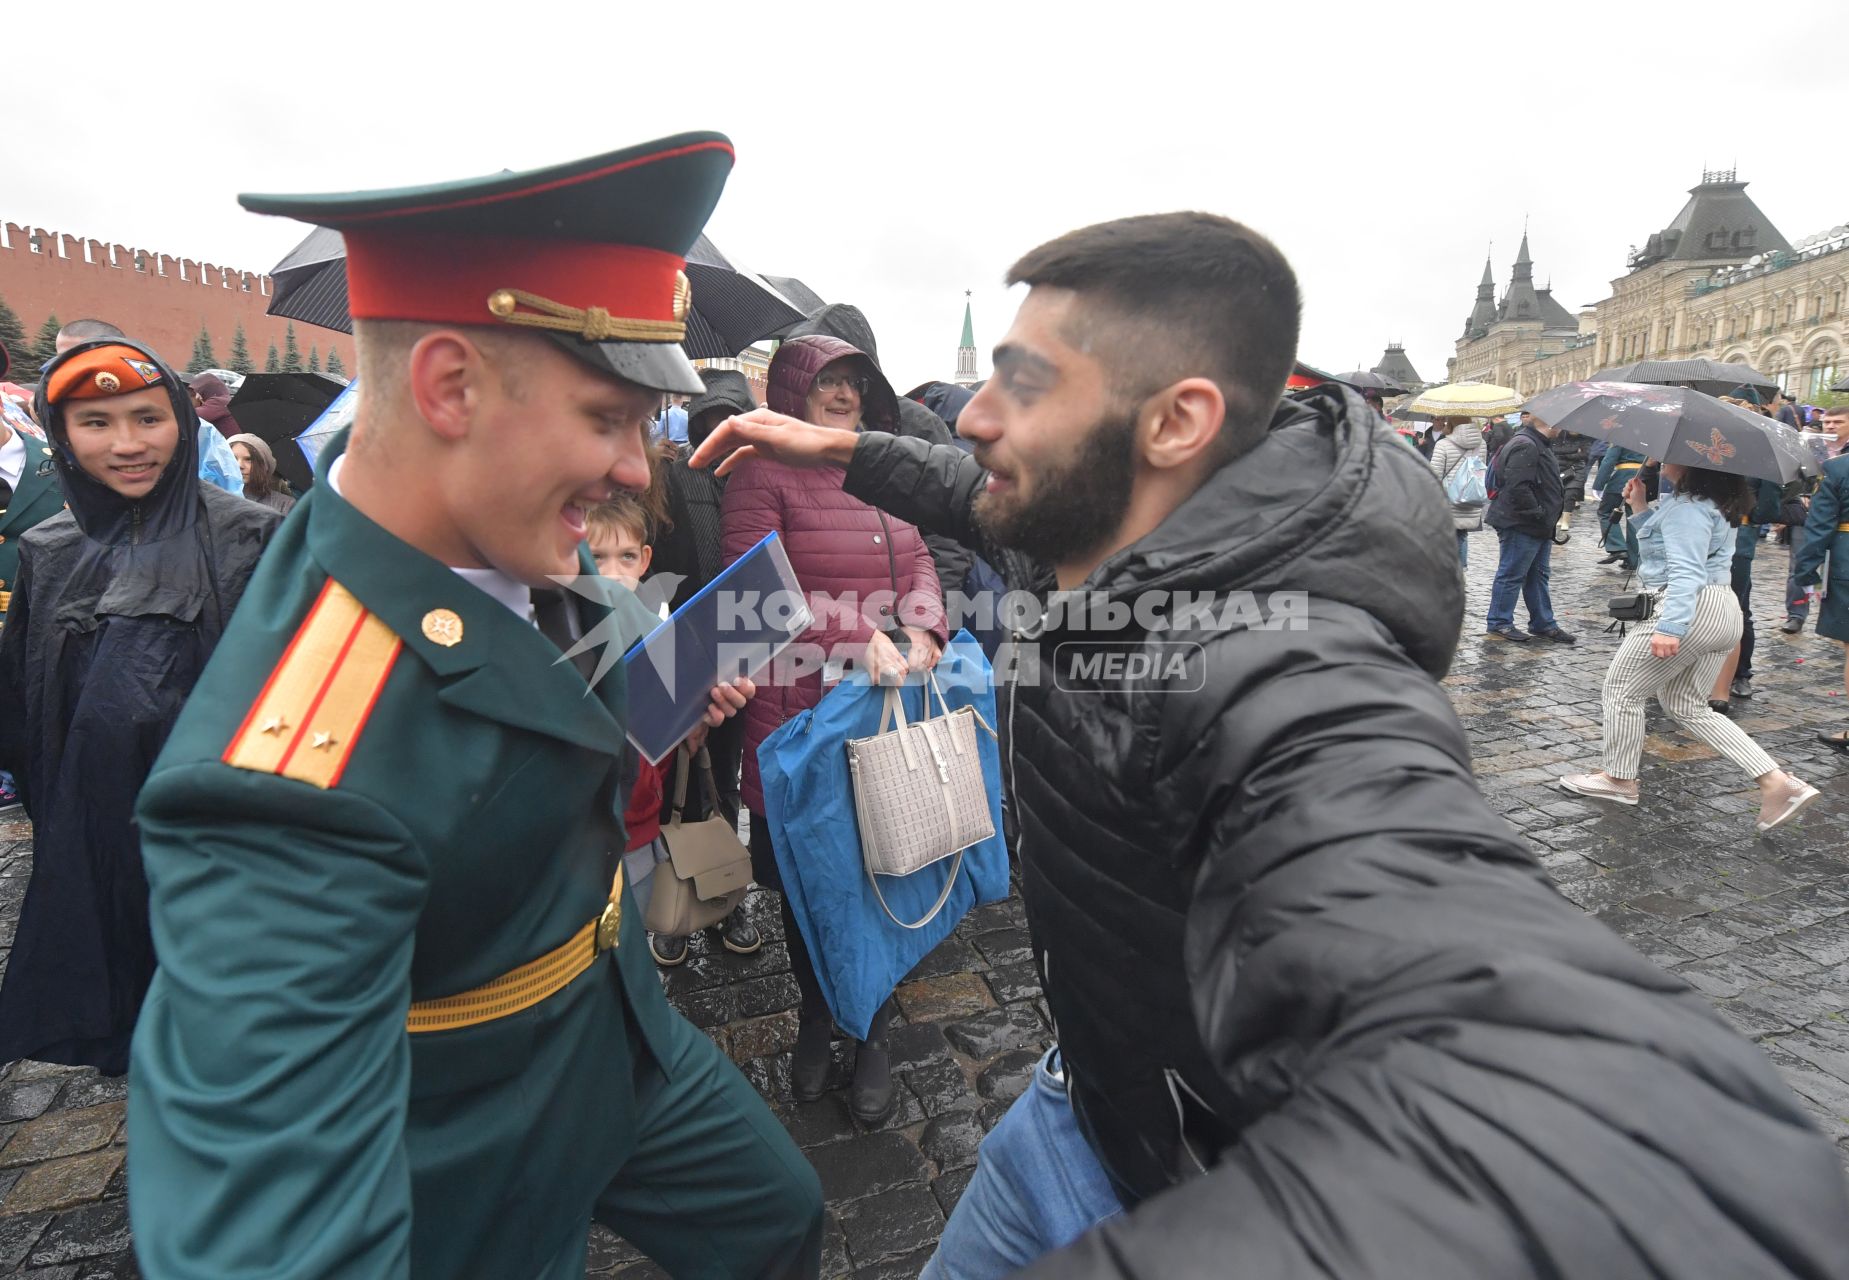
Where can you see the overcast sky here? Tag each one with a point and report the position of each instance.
(893, 155)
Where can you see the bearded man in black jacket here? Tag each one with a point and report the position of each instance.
(1319, 1011)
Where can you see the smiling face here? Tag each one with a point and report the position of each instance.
(834, 396)
(1058, 446)
(123, 442)
(537, 452)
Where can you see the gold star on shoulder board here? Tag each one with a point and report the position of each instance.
(275, 725)
(322, 742)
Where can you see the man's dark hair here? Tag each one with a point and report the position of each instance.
(1181, 295)
(87, 330)
(1732, 494)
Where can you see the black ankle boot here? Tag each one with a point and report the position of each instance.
(809, 1065)
(870, 1097)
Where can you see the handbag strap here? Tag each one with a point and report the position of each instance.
(687, 762)
(936, 907)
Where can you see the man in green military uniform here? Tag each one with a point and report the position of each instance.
(405, 1024)
(1617, 468)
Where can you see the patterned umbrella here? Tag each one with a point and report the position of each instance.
(1677, 424)
(1467, 400)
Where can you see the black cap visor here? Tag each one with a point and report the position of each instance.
(659, 366)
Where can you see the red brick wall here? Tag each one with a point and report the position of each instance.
(162, 304)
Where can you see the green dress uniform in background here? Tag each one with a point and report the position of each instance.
(403, 1025)
(36, 498)
(1826, 534)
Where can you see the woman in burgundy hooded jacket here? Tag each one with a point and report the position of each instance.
(842, 550)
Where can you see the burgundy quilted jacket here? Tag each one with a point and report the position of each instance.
(837, 545)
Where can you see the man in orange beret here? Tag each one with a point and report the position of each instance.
(118, 604)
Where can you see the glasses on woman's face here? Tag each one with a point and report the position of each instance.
(833, 382)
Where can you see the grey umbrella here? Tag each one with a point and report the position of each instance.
(1368, 380)
(1716, 377)
(1679, 425)
(1841, 384)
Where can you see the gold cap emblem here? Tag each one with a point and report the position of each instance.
(108, 382)
(443, 627)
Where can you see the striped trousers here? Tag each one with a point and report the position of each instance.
(1681, 684)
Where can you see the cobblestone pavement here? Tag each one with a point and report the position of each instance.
(1759, 925)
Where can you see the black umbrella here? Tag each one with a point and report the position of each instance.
(1368, 380)
(1715, 377)
(731, 308)
(1679, 425)
(1841, 384)
(1406, 413)
(276, 407)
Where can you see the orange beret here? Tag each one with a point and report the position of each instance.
(114, 370)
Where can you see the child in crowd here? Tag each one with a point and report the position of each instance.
(618, 535)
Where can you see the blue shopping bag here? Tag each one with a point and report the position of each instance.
(860, 955)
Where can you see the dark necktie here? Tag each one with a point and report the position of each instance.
(6, 495)
(552, 611)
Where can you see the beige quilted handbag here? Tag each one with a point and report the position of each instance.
(919, 795)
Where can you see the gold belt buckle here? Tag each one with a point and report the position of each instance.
(610, 923)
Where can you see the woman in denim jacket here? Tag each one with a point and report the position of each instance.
(1686, 548)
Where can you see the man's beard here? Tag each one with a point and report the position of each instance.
(1074, 507)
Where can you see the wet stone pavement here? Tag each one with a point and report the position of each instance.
(1760, 925)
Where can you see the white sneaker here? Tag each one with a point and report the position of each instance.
(1795, 802)
(1596, 786)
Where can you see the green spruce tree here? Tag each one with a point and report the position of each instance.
(270, 362)
(291, 352)
(334, 364)
(314, 358)
(45, 346)
(13, 334)
(203, 355)
(240, 352)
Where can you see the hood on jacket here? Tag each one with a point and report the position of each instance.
(1467, 435)
(216, 396)
(839, 320)
(945, 399)
(1328, 503)
(726, 389)
(262, 462)
(104, 515)
(798, 361)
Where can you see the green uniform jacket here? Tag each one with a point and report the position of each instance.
(36, 498)
(1609, 479)
(449, 811)
(1823, 537)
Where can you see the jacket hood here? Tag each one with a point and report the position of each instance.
(104, 515)
(794, 368)
(839, 320)
(1467, 436)
(945, 399)
(262, 462)
(1331, 503)
(726, 389)
(216, 395)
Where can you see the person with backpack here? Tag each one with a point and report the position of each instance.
(1525, 501)
(1458, 462)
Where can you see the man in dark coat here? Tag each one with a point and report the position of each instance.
(1523, 511)
(120, 601)
(1319, 1012)
(847, 322)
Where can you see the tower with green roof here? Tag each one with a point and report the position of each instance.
(966, 349)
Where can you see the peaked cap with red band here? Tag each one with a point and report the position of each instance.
(590, 254)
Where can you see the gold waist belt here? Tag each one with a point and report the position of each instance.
(532, 982)
(6, 601)
(1626, 466)
(1841, 528)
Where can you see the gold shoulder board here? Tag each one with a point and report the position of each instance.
(314, 706)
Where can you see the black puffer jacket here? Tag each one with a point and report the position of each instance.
(1529, 492)
(689, 547)
(1269, 898)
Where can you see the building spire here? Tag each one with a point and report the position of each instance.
(966, 349)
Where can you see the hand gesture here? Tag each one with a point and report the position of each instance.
(763, 434)
(1636, 497)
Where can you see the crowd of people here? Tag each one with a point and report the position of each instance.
(341, 853)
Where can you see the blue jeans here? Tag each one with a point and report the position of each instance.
(1463, 547)
(1037, 1188)
(1522, 571)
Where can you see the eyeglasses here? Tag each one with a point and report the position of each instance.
(832, 382)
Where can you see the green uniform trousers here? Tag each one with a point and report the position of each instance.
(715, 1188)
